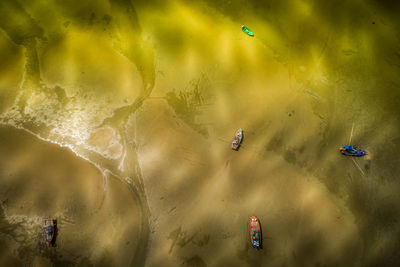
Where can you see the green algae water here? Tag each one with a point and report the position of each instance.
(118, 116)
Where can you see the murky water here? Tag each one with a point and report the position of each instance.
(148, 94)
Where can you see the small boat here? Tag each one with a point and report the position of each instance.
(255, 232)
(352, 151)
(49, 228)
(237, 140)
(247, 30)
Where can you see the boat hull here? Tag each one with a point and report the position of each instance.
(255, 232)
(247, 31)
(49, 230)
(357, 152)
(237, 140)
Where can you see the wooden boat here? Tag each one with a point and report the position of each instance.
(237, 140)
(49, 229)
(352, 151)
(255, 232)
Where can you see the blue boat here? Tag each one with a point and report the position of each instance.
(352, 151)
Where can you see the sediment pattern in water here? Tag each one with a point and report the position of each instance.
(151, 92)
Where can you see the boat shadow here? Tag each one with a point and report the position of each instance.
(53, 241)
(261, 237)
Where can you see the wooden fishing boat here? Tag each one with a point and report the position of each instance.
(255, 232)
(237, 140)
(49, 229)
(352, 151)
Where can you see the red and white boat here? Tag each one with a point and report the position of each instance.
(255, 232)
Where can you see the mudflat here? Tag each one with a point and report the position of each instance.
(98, 220)
(119, 116)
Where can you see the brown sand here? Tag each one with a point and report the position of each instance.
(98, 223)
(200, 207)
(153, 91)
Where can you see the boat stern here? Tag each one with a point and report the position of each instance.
(256, 244)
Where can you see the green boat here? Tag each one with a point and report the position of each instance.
(247, 30)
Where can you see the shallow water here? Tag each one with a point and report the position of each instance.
(41, 180)
(151, 92)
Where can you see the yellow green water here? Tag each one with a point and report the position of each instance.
(151, 93)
